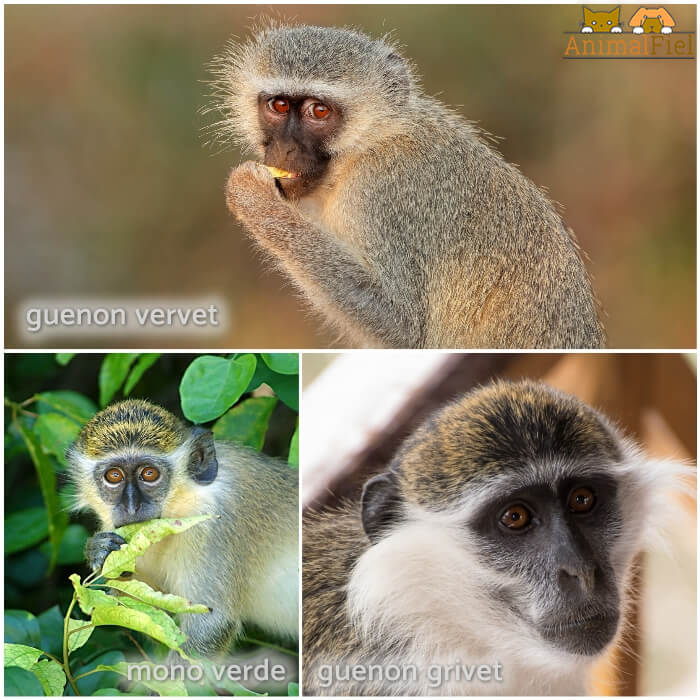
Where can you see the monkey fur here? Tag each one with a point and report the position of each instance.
(422, 571)
(403, 226)
(243, 564)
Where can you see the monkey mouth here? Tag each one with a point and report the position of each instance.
(282, 174)
(587, 633)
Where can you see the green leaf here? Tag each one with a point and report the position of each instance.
(21, 627)
(25, 528)
(109, 692)
(282, 362)
(211, 385)
(292, 689)
(174, 688)
(21, 683)
(212, 673)
(47, 481)
(104, 609)
(51, 626)
(166, 601)
(72, 547)
(113, 372)
(90, 598)
(293, 458)
(63, 358)
(27, 569)
(90, 684)
(286, 386)
(247, 422)
(71, 404)
(49, 673)
(143, 618)
(139, 537)
(56, 433)
(144, 362)
(78, 639)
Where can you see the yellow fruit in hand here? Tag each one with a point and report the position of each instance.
(279, 173)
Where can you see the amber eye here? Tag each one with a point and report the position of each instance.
(150, 474)
(114, 476)
(516, 517)
(279, 105)
(319, 111)
(581, 500)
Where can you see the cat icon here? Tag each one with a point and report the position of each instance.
(601, 21)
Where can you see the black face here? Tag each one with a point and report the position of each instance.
(135, 487)
(555, 547)
(295, 133)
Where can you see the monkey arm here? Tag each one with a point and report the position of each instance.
(315, 260)
(98, 547)
(209, 634)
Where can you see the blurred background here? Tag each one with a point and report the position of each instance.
(365, 404)
(110, 189)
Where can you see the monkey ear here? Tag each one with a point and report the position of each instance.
(397, 77)
(202, 466)
(381, 504)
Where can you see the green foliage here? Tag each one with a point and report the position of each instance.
(21, 683)
(139, 608)
(113, 374)
(252, 401)
(57, 519)
(138, 370)
(25, 528)
(211, 385)
(246, 422)
(294, 448)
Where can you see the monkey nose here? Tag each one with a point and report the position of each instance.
(577, 577)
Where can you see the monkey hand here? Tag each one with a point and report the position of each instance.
(99, 546)
(253, 197)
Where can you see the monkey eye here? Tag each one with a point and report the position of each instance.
(114, 476)
(318, 110)
(278, 104)
(149, 474)
(516, 517)
(581, 500)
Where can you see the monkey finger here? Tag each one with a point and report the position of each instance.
(250, 189)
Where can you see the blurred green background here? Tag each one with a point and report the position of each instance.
(111, 190)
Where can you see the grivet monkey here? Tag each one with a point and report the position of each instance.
(501, 538)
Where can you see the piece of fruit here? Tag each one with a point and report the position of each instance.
(279, 173)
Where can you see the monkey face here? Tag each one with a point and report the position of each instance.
(134, 486)
(296, 131)
(532, 481)
(550, 545)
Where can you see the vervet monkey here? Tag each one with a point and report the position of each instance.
(501, 537)
(394, 218)
(135, 461)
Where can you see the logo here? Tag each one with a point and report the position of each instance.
(650, 32)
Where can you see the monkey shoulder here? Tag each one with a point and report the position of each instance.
(333, 542)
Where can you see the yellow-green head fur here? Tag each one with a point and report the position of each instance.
(131, 423)
(503, 427)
